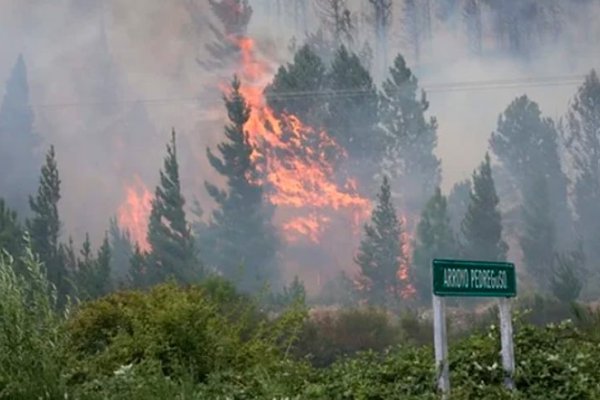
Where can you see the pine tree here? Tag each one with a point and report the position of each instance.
(44, 226)
(305, 74)
(11, 232)
(84, 269)
(538, 240)
(172, 252)
(122, 250)
(458, 203)
(583, 142)
(380, 253)
(353, 120)
(18, 142)
(482, 225)
(103, 283)
(93, 273)
(411, 138)
(434, 239)
(243, 241)
(526, 145)
(138, 272)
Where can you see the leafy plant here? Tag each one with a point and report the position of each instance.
(31, 333)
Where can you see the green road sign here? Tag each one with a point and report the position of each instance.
(474, 278)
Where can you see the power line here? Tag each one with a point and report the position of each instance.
(440, 87)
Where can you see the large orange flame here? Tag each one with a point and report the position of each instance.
(295, 159)
(134, 213)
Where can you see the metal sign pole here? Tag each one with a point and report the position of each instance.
(506, 338)
(441, 345)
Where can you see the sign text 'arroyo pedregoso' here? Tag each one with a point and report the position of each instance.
(474, 278)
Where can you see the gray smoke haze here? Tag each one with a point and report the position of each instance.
(109, 79)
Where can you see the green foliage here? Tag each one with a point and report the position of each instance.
(527, 147)
(458, 204)
(434, 239)
(138, 276)
(538, 240)
(291, 294)
(352, 121)
(305, 74)
(122, 250)
(380, 253)
(169, 236)
(329, 335)
(411, 138)
(32, 348)
(93, 273)
(10, 231)
(241, 241)
(482, 225)
(209, 341)
(44, 226)
(197, 330)
(583, 138)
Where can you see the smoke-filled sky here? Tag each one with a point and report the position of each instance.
(109, 79)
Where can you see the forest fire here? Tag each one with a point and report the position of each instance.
(408, 290)
(134, 213)
(295, 159)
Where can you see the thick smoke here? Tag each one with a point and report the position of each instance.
(109, 79)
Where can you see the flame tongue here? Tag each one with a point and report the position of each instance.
(295, 159)
(134, 213)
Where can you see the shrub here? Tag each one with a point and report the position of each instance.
(182, 329)
(330, 334)
(31, 339)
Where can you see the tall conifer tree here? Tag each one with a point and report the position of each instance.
(93, 273)
(44, 225)
(172, 252)
(19, 161)
(306, 74)
(411, 138)
(482, 225)
(242, 241)
(583, 142)
(434, 239)
(121, 251)
(380, 253)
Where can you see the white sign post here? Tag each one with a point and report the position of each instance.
(506, 338)
(474, 279)
(441, 345)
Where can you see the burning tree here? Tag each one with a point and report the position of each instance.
(234, 16)
(241, 241)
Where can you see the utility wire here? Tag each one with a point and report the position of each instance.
(441, 87)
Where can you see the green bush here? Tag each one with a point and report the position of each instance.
(210, 342)
(331, 334)
(180, 328)
(32, 340)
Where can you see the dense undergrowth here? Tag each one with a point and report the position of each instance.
(209, 342)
